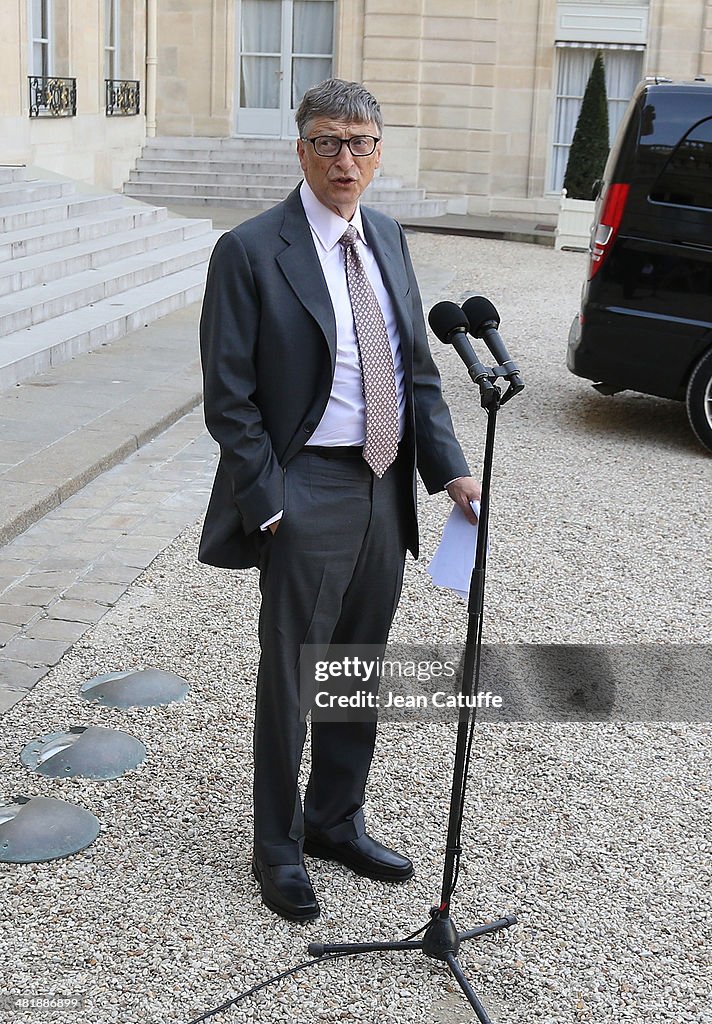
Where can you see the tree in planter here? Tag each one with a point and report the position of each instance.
(589, 147)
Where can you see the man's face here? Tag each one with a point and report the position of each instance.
(338, 181)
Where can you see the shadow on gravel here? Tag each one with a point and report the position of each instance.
(654, 422)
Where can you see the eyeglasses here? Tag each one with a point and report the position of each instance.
(330, 145)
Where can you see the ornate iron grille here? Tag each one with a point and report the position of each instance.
(52, 97)
(123, 98)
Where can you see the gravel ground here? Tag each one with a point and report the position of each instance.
(596, 836)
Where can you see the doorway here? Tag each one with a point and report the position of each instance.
(285, 47)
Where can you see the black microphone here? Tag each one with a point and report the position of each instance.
(449, 324)
(483, 321)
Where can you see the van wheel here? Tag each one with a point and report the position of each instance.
(699, 400)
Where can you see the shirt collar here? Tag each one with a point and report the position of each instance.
(327, 225)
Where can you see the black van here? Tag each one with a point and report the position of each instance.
(646, 309)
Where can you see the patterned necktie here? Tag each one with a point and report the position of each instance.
(377, 372)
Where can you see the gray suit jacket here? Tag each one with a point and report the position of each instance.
(268, 344)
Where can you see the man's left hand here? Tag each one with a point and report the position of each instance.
(463, 490)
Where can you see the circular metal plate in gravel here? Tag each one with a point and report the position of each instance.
(143, 688)
(34, 829)
(90, 752)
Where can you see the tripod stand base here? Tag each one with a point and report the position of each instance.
(440, 942)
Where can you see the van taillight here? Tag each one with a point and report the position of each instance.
(607, 227)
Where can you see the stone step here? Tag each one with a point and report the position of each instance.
(262, 157)
(45, 237)
(252, 173)
(52, 210)
(228, 202)
(211, 176)
(20, 193)
(12, 172)
(198, 142)
(410, 210)
(165, 191)
(35, 350)
(399, 210)
(227, 174)
(49, 301)
(218, 162)
(31, 271)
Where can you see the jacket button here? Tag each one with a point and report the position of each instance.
(308, 427)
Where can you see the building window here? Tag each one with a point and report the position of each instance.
(624, 69)
(41, 54)
(111, 39)
(312, 45)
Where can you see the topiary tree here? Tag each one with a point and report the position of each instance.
(589, 147)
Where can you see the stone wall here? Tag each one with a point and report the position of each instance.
(90, 147)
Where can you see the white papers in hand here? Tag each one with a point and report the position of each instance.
(452, 563)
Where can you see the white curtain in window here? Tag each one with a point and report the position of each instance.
(312, 45)
(313, 27)
(111, 37)
(623, 72)
(261, 47)
(40, 30)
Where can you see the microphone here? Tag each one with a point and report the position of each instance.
(450, 325)
(483, 321)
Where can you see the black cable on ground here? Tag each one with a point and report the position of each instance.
(269, 981)
(286, 974)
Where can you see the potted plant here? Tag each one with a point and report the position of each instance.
(587, 159)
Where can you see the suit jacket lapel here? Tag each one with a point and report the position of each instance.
(301, 267)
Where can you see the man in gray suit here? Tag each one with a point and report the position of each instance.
(323, 396)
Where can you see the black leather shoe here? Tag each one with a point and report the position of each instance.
(286, 890)
(365, 856)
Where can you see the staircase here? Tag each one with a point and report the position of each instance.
(80, 269)
(247, 173)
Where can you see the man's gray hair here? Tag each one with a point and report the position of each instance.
(339, 101)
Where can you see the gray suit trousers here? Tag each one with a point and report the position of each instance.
(332, 573)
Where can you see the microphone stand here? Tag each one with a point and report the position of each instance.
(441, 939)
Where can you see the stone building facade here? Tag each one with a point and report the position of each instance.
(56, 111)
(480, 97)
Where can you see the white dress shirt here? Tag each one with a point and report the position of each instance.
(344, 419)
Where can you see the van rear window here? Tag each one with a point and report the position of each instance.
(686, 178)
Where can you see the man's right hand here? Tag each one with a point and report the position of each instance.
(273, 527)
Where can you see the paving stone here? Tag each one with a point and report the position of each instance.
(100, 593)
(17, 614)
(70, 511)
(5, 582)
(109, 571)
(21, 595)
(35, 652)
(118, 523)
(76, 553)
(15, 675)
(8, 698)
(161, 534)
(133, 559)
(48, 628)
(7, 631)
(76, 611)
(30, 551)
(15, 567)
(54, 579)
(139, 542)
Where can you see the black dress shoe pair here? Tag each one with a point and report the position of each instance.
(286, 890)
(364, 855)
